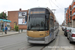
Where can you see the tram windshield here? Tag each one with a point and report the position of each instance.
(38, 22)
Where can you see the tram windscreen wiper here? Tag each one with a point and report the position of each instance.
(37, 22)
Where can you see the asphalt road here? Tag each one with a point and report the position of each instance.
(19, 42)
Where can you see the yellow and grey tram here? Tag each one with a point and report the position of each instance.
(40, 26)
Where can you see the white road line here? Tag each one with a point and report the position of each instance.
(57, 41)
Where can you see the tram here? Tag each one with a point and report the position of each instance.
(40, 26)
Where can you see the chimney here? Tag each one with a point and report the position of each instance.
(20, 9)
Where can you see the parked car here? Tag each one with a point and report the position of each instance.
(66, 30)
(63, 27)
(71, 35)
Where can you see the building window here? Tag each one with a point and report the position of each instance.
(22, 18)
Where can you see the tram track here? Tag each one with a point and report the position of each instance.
(47, 45)
(42, 45)
(25, 48)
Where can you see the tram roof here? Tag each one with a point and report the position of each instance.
(42, 9)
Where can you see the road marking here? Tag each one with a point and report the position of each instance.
(60, 49)
(53, 49)
(57, 41)
(23, 48)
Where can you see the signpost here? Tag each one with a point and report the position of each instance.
(1, 23)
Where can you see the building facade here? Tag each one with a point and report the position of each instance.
(70, 15)
(18, 18)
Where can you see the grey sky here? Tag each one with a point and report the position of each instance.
(59, 5)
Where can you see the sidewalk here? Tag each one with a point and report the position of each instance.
(8, 33)
(11, 33)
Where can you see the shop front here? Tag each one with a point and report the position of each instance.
(3, 23)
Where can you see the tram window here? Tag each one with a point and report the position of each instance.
(47, 16)
(51, 23)
(47, 11)
(51, 17)
(47, 20)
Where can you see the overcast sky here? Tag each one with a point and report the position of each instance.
(59, 5)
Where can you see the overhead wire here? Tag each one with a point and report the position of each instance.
(50, 3)
(55, 5)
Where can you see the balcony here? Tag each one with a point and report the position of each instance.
(73, 17)
(70, 19)
(70, 12)
(73, 14)
(70, 8)
(73, 7)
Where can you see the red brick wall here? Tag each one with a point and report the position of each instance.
(69, 12)
(73, 11)
(13, 17)
(73, 4)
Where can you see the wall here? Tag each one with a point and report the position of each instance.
(13, 17)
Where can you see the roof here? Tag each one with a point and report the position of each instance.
(4, 20)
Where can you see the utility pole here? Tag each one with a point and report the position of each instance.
(3, 15)
(54, 10)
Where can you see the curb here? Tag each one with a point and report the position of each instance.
(9, 34)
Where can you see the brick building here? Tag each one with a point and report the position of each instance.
(70, 15)
(18, 17)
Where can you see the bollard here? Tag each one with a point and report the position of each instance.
(19, 31)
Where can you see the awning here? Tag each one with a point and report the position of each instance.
(4, 20)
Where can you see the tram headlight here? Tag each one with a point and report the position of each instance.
(47, 32)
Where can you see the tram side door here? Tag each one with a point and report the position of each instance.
(52, 33)
(51, 29)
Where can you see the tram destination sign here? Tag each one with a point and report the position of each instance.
(37, 12)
